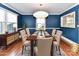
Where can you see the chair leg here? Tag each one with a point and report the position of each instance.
(22, 49)
(59, 50)
(56, 48)
(25, 48)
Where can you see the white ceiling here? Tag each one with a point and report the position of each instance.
(30, 8)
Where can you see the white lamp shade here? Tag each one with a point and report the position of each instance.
(40, 14)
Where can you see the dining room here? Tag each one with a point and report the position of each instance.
(39, 29)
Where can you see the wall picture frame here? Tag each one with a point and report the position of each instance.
(68, 20)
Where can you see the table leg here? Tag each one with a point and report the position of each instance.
(31, 48)
(52, 49)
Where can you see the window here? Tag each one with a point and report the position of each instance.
(40, 24)
(11, 21)
(11, 17)
(0, 27)
(7, 21)
(2, 15)
(10, 27)
(2, 21)
(40, 19)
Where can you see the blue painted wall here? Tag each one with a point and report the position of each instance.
(51, 21)
(78, 24)
(71, 33)
(29, 20)
(20, 21)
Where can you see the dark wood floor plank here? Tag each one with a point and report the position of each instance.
(13, 49)
(16, 48)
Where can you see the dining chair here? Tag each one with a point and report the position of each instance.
(43, 47)
(53, 32)
(57, 38)
(28, 32)
(46, 33)
(35, 33)
(25, 42)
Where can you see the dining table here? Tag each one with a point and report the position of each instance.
(35, 37)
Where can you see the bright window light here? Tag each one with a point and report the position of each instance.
(11, 17)
(8, 21)
(2, 15)
(40, 20)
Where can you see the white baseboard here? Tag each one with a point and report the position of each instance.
(68, 40)
(74, 46)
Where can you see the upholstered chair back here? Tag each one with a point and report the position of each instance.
(58, 36)
(44, 47)
(23, 35)
(53, 32)
(28, 31)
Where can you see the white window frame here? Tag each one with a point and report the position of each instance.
(5, 17)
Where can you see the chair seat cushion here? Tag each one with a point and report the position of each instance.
(28, 48)
(55, 42)
(27, 42)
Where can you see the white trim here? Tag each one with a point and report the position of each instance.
(31, 28)
(68, 40)
(46, 28)
(69, 8)
(12, 8)
(78, 25)
(49, 14)
(6, 10)
(52, 28)
(11, 12)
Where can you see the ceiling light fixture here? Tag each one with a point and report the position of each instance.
(40, 14)
(41, 4)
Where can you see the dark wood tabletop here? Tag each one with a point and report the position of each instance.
(31, 37)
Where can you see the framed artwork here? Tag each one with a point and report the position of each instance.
(68, 20)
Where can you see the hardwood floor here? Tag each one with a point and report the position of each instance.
(67, 49)
(12, 50)
(16, 48)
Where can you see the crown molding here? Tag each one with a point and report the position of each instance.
(9, 6)
(69, 8)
